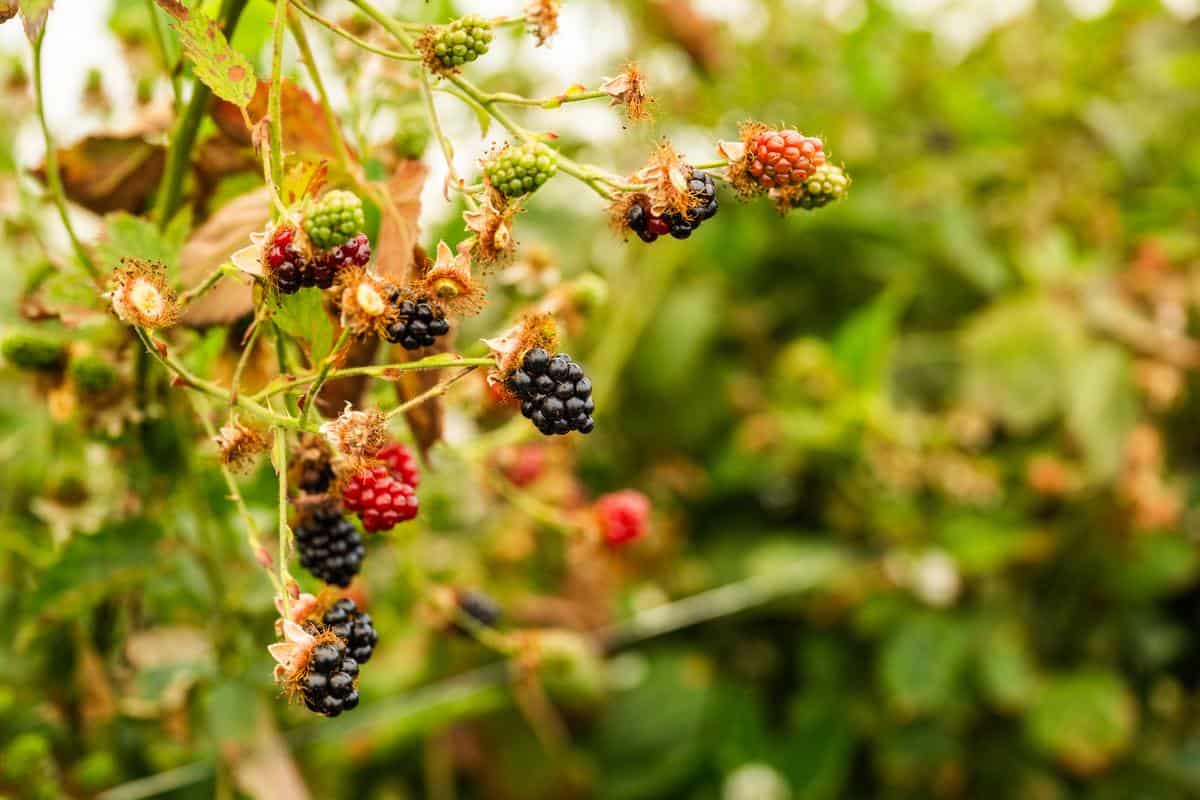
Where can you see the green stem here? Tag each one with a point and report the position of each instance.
(53, 178)
(275, 95)
(310, 64)
(285, 531)
(443, 140)
(385, 371)
(244, 358)
(323, 375)
(202, 288)
(429, 394)
(160, 40)
(350, 37)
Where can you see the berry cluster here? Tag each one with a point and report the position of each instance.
(290, 270)
(649, 226)
(330, 547)
(328, 688)
(555, 394)
(379, 498)
(401, 462)
(784, 158)
(353, 627)
(462, 41)
(521, 169)
(335, 219)
(827, 184)
(417, 324)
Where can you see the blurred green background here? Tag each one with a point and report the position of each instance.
(940, 439)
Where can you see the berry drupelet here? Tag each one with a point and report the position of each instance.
(355, 251)
(334, 220)
(778, 159)
(649, 226)
(401, 462)
(379, 499)
(419, 322)
(827, 184)
(520, 169)
(328, 688)
(462, 41)
(555, 394)
(353, 627)
(330, 547)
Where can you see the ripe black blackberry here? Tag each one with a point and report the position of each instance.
(353, 627)
(419, 322)
(649, 226)
(328, 688)
(555, 394)
(316, 477)
(330, 547)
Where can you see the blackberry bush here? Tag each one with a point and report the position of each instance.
(330, 547)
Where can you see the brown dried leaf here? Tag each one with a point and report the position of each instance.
(106, 172)
(210, 246)
(340, 391)
(424, 420)
(306, 131)
(398, 231)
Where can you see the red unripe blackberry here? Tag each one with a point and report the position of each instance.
(649, 226)
(555, 394)
(784, 158)
(354, 628)
(623, 516)
(284, 262)
(330, 547)
(328, 688)
(402, 463)
(380, 500)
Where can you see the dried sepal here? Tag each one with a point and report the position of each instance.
(294, 654)
(449, 282)
(738, 155)
(541, 19)
(140, 294)
(618, 211)
(365, 299)
(666, 178)
(492, 225)
(357, 434)
(304, 606)
(240, 445)
(628, 89)
(312, 456)
(532, 330)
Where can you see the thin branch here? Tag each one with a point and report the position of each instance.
(323, 375)
(275, 95)
(435, 391)
(350, 37)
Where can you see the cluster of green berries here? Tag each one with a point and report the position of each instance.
(335, 219)
(462, 41)
(42, 352)
(827, 184)
(521, 169)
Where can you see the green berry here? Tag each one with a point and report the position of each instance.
(334, 220)
(412, 132)
(828, 183)
(34, 350)
(462, 41)
(92, 374)
(519, 170)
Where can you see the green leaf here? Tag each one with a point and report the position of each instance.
(862, 344)
(1084, 720)
(1102, 407)
(217, 65)
(922, 663)
(127, 236)
(1007, 674)
(302, 315)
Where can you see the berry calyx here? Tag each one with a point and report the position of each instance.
(335, 219)
(330, 547)
(354, 628)
(623, 516)
(328, 687)
(418, 323)
(460, 42)
(783, 158)
(379, 499)
(555, 394)
(520, 169)
(401, 462)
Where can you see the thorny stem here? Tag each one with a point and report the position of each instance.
(160, 40)
(429, 394)
(323, 375)
(53, 178)
(384, 371)
(202, 288)
(275, 95)
(310, 64)
(555, 101)
(244, 358)
(285, 531)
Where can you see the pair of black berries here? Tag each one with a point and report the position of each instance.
(329, 686)
(555, 394)
(649, 226)
(418, 323)
(330, 547)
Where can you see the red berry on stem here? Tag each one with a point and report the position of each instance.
(623, 516)
(402, 463)
(380, 500)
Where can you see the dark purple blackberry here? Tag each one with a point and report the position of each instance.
(555, 394)
(330, 547)
(480, 607)
(316, 477)
(418, 323)
(701, 185)
(328, 688)
(354, 628)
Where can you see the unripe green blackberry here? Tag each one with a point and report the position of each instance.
(462, 41)
(412, 132)
(521, 169)
(34, 350)
(335, 219)
(92, 374)
(827, 184)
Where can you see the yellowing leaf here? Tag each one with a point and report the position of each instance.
(217, 65)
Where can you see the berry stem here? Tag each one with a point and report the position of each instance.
(386, 371)
(350, 37)
(244, 358)
(202, 288)
(718, 164)
(53, 177)
(279, 458)
(443, 141)
(314, 74)
(275, 96)
(160, 42)
(323, 375)
(555, 101)
(434, 391)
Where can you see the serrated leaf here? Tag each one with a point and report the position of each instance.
(127, 236)
(302, 315)
(217, 65)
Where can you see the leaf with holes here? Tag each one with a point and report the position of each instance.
(217, 65)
